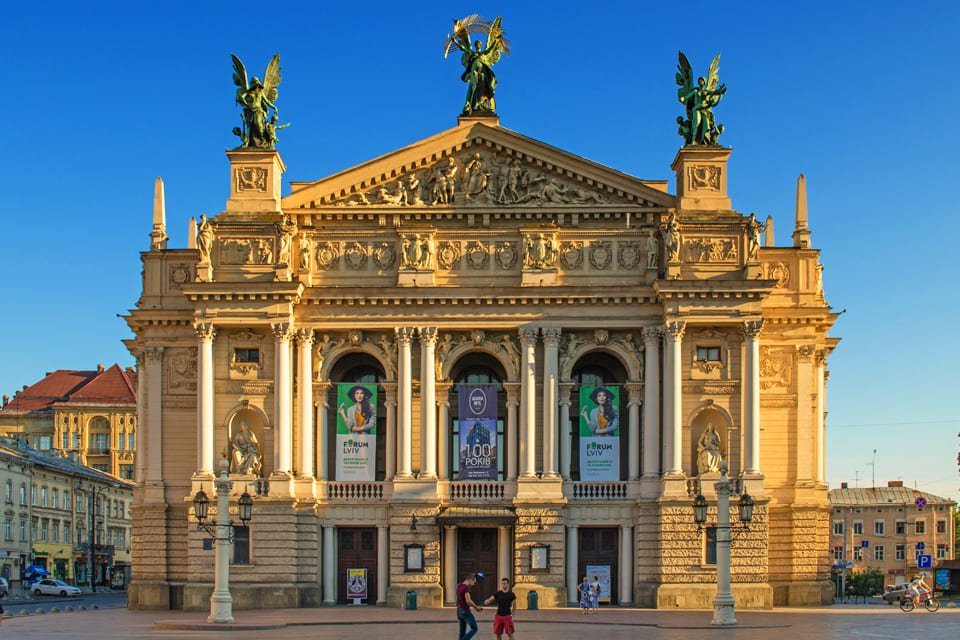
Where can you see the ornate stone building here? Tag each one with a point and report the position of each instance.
(481, 256)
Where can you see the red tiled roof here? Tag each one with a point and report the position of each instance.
(111, 386)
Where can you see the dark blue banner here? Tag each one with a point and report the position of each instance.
(478, 431)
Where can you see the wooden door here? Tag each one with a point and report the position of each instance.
(600, 546)
(357, 549)
(477, 551)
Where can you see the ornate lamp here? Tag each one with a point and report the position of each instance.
(245, 507)
(700, 510)
(200, 505)
(746, 508)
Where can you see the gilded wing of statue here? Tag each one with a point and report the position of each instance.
(271, 78)
(713, 75)
(497, 44)
(239, 78)
(462, 29)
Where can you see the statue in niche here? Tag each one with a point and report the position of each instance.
(247, 457)
(257, 99)
(204, 238)
(754, 229)
(541, 251)
(700, 126)
(671, 238)
(478, 60)
(708, 450)
(304, 253)
(286, 228)
(653, 250)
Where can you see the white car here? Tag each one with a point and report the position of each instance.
(4, 587)
(51, 587)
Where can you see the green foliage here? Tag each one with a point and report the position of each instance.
(865, 583)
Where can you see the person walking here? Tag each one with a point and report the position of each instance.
(506, 602)
(583, 590)
(595, 595)
(464, 605)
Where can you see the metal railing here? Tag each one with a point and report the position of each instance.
(355, 491)
(477, 491)
(599, 490)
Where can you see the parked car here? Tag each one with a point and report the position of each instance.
(4, 587)
(51, 587)
(895, 593)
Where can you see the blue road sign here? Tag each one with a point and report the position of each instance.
(920, 545)
(864, 543)
(924, 561)
(920, 502)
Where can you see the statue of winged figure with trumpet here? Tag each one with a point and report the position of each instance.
(258, 100)
(478, 59)
(700, 127)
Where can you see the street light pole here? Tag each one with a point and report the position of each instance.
(221, 602)
(723, 603)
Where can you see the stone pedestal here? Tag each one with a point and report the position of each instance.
(702, 178)
(255, 177)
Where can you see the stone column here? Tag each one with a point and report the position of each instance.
(449, 564)
(673, 399)
(443, 430)
(323, 433)
(504, 554)
(205, 401)
(141, 450)
(571, 564)
(383, 562)
(566, 437)
(282, 399)
(428, 404)
(819, 431)
(390, 401)
(528, 397)
(751, 394)
(551, 371)
(626, 564)
(404, 402)
(633, 430)
(329, 571)
(806, 405)
(512, 435)
(153, 457)
(651, 402)
(305, 464)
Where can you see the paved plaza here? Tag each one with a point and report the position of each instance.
(848, 623)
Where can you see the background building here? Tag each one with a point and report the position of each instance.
(884, 528)
(90, 413)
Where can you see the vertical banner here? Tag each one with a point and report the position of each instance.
(356, 431)
(478, 431)
(357, 584)
(600, 433)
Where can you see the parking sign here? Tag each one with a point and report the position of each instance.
(924, 561)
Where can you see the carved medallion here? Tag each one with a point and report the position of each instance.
(448, 254)
(601, 336)
(356, 337)
(477, 255)
(179, 275)
(778, 271)
(384, 256)
(571, 254)
(704, 177)
(355, 255)
(251, 179)
(601, 254)
(506, 255)
(182, 372)
(328, 255)
(776, 367)
(629, 256)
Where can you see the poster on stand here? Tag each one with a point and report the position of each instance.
(357, 584)
(600, 433)
(356, 431)
(478, 431)
(601, 573)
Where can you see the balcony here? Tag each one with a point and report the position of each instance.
(599, 491)
(355, 491)
(477, 491)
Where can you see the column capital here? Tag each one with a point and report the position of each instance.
(282, 331)
(205, 330)
(652, 335)
(675, 329)
(751, 328)
(428, 336)
(820, 357)
(635, 389)
(404, 335)
(153, 354)
(305, 337)
(805, 352)
(551, 336)
(564, 389)
(513, 392)
(528, 334)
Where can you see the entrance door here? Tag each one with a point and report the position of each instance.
(357, 550)
(477, 551)
(598, 547)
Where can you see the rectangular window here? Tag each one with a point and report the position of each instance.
(708, 354)
(102, 467)
(23, 496)
(100, 442)
(121, 442)
(858, 553)
(8, 529)
(941, 551)
(43, 496)
(65, 440)
(858, 527)
(65, 500)
(710, 546)
(55, 499)
(838, 554)
(246, 355)
(941, 526)
(901, 527)
(878, 552)
(837, 528)
(878, 527)
(8, 492)
(46, 443)
(33, 495)
(56, 531)
(75, 441)
(66, 533)
(920, 526)
(126, 471)
(23, 531)
(80, 501)
(131, 442)
(241, 545)
(44, 530)
(901, 552)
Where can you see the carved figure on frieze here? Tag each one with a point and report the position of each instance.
(264, 251)
(540, 251)
(305, 251)
(323, 345)
(416, 252)
(204, 238)
(183, 371)
(445, 345)
(653, 251)
(475, 178)
(286, 228)
(410, 191)
(700, 126)
(708, 450)
(257, 101)
(512, 176)
(570, 346)
(754, 229)
(478, 59)
(445, 182)
(671, 238)
(509, 347)
(247, 457)
(385, 197)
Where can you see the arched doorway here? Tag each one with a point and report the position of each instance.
(596, 370)
(353, 369)
(476, 368)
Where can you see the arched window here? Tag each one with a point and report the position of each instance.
(99, 435)
(476, 369)
(352, 369)
(597, 369)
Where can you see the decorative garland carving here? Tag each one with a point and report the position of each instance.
(601, 254)
(571, 254)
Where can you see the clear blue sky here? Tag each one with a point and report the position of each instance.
(860, 96)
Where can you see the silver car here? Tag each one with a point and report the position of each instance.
(51, 587)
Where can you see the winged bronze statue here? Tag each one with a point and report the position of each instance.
(700, 127)
(258, 101)
(478, 59)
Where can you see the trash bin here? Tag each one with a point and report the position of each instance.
(411, 601)
(533, 600)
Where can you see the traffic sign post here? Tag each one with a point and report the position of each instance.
(920, 545)
(864, 543)
(920, 503)
(924, 561)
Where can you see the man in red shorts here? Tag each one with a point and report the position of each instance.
(506, 604)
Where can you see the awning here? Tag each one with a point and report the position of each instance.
(477, 516)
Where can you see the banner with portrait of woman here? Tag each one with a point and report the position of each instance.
(600, 433)
(477, 446)
(356, 431)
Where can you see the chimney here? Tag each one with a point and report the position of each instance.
(895, 483)
(843, 485)
(99, 368)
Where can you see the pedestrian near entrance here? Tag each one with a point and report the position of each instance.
(583, 590)
(506, 602)
(595, 595)
(464, 605)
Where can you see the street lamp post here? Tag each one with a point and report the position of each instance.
(723, 602)
(221, 602)
(94, 494)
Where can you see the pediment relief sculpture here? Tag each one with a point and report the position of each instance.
(416, 251)
(540, 251)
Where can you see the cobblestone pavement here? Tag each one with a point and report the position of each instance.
(344, 623)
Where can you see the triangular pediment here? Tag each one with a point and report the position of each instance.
(479, 165)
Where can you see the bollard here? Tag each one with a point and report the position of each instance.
(411, 601)
(533, 600)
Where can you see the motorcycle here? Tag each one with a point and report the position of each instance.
(927, 599)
